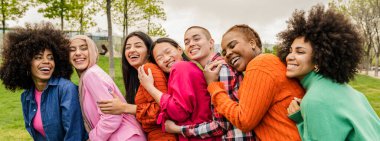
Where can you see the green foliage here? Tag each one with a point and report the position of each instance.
(81, 15)
(127, 13)
(366, 14)
(154, 12)
(157, 30)
(12, 9)
(58, 9)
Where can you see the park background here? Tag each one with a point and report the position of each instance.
(109, 21)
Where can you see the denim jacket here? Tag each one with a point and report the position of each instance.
(60, 112)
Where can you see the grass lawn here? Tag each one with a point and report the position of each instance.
(11, 120)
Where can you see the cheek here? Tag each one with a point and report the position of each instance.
(126, 52)
(143, 52)
(161, 65)
(71, 55)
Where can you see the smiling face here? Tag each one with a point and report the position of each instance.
(237, 50)
(166, 55)
(197, 46)
(42, 66)
(299, 60)
(136, 52)
(79, 55)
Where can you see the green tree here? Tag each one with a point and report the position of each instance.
(82, 13)
(154, 12)
(58, 9)
(366, 14)
(127, 13)
(157, 30)
(110, 45)
(12, 9)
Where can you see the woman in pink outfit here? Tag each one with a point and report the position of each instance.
(187, 101)
(96, 85)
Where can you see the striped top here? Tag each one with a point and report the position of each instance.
(148, 109)
(264, 94)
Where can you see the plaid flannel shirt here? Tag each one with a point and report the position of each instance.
(220, 126)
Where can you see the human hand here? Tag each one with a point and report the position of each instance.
(294, 106)
(211, 71)
(113, 106)
(171, 127)
(146, 80)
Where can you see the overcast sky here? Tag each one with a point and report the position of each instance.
(267, 17)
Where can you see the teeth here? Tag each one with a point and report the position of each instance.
(77, 60)
(234, 60)
(45, 69)
(134, 56)
(193, 51)
(291, 66)
(170, 64)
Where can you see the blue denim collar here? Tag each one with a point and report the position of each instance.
(53, 81)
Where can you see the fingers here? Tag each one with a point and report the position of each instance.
(114, 95)
(298, 100)
(139, 71)
(149, 72)
(105, 106)
(102, 102)
(218, 68)
(106, 111)
(293, 107)
(210, 67)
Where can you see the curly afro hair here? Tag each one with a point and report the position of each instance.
(335, 40)
(22, 44)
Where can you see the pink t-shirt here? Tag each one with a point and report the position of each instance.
(37, 120)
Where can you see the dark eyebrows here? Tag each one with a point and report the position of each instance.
(299, 47)
(138, 43)
(231, 43)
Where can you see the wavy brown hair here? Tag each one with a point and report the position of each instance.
(22, 44)
(335, 40)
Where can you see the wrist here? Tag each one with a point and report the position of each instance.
(130, 108)
(178, 129)
(125, 107)
(183, 130)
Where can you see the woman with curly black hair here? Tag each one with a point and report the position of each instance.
(323, 52)
(36, 59)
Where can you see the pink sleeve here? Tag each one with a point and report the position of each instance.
(98, 89)
(179, 103)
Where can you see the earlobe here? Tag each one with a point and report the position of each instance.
(212, 44)
(180, 50)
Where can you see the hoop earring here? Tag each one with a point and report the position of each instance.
(316, 69)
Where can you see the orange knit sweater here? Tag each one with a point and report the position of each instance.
(264, 94)
(147, 108)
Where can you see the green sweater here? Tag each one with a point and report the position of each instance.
(335, 112)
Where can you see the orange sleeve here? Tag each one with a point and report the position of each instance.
(147, 108)
(256, 94)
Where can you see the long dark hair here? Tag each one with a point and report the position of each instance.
(130, 79)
